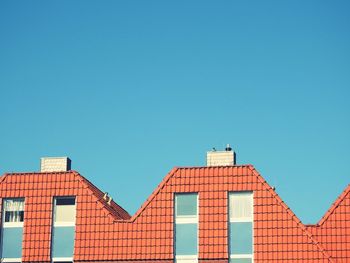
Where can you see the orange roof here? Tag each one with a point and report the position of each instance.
(333, 230)
(107, 232)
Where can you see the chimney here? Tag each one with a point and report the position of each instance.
(221, 158)
(55, 164)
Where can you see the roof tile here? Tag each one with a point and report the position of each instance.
(107, 232)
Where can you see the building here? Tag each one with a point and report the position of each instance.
(221, 213)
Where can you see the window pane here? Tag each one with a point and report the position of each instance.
(14, 205)
(65, 201)
(241, 240)
(186, 239)
(241, 260)
(63, 242)
(186, 204)
(14, 210)
(12, 242)
(65, 213)
(241, 205)
(14, 216)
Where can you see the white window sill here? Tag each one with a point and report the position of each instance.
(11, 260)
(62, 259)
(241, 256)
(186, 259)
(13, 224)
(64, 224)
(186, 220)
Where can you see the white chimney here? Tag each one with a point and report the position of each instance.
(55, 164)
(221, 158)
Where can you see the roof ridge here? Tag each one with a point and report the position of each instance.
(291, 213)
(113, 204)
(334, 205)
(31, 173)
(93, 191)
(154, 193)
(214, 166)
(3, 177)
(166, 179)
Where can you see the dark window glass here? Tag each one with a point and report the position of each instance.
(65, 201)
(14, 216)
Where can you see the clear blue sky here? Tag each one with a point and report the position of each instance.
(130, 89)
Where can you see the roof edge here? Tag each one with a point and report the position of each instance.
(334, 206)
(3, 177)
(104, 204)
(154, 193)
(291, 213)
(88, 185)
(167, 178)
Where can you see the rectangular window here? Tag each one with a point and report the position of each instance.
(64, 211)
(186, 228)
(12, 230)
(63, 232)
(241, 227)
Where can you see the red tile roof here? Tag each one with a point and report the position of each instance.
(108, 233)
(333, 230)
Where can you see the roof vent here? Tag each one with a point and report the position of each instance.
(55, 164)
(221, 158)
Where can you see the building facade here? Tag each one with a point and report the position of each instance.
(222, 213)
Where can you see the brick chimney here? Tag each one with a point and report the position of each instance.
(221, 158)
(55, 164)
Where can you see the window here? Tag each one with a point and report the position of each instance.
(12, 230)
(186, 228)
(241, 227)
(63, 233)
(64, 211)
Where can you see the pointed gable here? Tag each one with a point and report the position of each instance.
(278, 235)
(39, 189)
(106, 232)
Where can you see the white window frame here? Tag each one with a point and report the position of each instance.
(62, 259)
(186, 259)
(9, 225)
(64, 223)
(186, 219)
(14, 260)
(235, 256)
(233, 219)
(12, 224)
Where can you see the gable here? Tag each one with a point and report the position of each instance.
(106, 232)
(279, 235)
(39, 189)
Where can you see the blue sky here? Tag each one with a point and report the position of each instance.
(130, 89)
